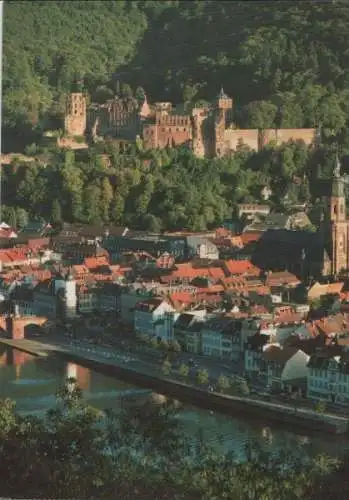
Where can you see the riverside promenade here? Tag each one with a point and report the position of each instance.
(145, 374)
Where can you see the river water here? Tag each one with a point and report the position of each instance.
(33, 382)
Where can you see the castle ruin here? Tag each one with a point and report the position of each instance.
(208, 131)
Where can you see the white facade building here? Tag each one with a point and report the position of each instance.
(328, 377)
(154, 317)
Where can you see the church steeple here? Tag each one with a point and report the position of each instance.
(337, 181)
(337, 223)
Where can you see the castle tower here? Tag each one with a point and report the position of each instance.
(224, 102)
(75, 114)
(224, 106)
(144, 110)
(70, 296)
(336, 223)
(200, 137)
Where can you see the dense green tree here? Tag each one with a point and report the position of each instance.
(72, 185)
(142, 452)
(244, 388)
(166, 367)
(223, 383)
(182, 192)
(106, 199)
(9, 215)
(21, 217)
(92, 204)
(117, 208)
(56, 211)
(184, 370)
(202, 377)
(260, 114)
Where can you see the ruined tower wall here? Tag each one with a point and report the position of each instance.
(75, 120)
(202, 134)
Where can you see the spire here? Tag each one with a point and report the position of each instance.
(336, 172)
(222, 94)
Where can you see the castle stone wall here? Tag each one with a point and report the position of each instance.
(162, 136)
(235, 137)
(308, 135)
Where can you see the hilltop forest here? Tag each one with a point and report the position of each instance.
(285, 63)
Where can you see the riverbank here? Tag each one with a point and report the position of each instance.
(143, 376)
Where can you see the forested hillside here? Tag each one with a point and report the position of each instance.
(159, 189)
(285, 63)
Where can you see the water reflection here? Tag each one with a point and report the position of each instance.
(33, 382)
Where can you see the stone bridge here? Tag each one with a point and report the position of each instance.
(15, 326)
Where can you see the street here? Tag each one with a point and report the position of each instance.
(143, 357)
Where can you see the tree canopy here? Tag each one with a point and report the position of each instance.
(154, 190)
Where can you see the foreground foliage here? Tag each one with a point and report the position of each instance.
(77, 451)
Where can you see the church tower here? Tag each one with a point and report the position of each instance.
(337, 223)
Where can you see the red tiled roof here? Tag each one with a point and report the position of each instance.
(260, 290)
(281, 278)
(94, 262)
(258, 309)
(165, 261)
(7, 233)
(38, 243)
(223, 242)
(326, 289)
(209, 298)
(288, 318)
(215, 272)
(182, 297)
(4, 257)
(241, 267)
(79, 270)
(250, 237)
(187, 271)
(19, 254)
(222, 232)
(211, 289)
